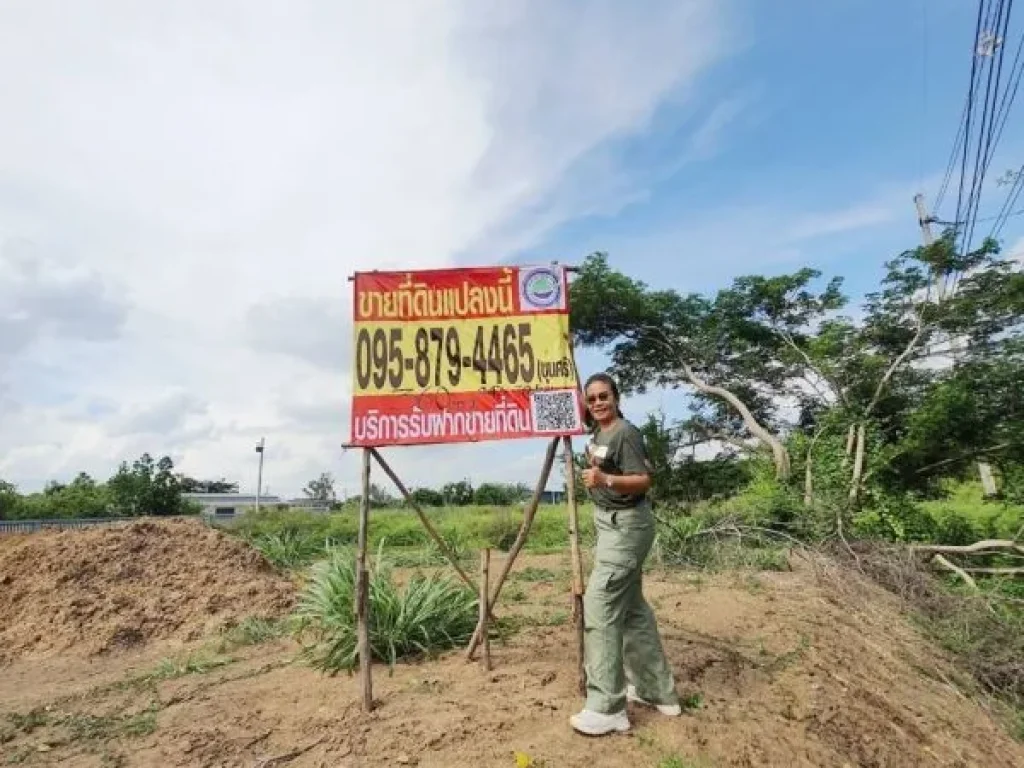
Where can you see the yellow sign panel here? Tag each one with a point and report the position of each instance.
(522, 352)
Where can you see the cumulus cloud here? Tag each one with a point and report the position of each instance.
(316, 330)
(208, 174)
(40, 298)
(164, 415)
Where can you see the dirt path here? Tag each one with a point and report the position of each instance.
(778, 673)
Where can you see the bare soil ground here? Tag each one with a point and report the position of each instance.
(779, 669)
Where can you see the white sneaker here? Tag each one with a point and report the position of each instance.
(599, 724)
(670, 710)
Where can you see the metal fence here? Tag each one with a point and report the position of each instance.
(34, 526)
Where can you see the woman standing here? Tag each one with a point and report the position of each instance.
(622, 641)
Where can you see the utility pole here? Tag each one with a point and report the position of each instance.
(259, 476)
(988, 481)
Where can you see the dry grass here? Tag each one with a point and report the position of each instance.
(983, 631)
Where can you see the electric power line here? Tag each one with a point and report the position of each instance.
(1011, 200)
(991, 50)
(986, 148)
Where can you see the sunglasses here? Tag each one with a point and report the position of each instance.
(601, 397)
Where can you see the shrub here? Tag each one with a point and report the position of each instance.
(896, 518)
(289, 548)
(431, 613)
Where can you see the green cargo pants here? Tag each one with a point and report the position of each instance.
(622, 641)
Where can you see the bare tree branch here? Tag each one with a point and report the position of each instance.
(891, 370)
(970, 455)
(979, 547)
(836, 389)
(940, 560)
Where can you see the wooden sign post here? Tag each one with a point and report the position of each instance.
(363, 590)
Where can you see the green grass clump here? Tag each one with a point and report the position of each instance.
(82, 727)
(430, 613)
(198, 663)
(289, 548)
(254, 630)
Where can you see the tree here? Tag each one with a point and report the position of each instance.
(459, 494)
(766, 348)
(381, 498)
(146, 488)
(321, 489)
(10, 501)
(929, 295)
(83, 497)
(491, 494)
(192, 485)
(736, 351)
(500, 494)
(428, 497)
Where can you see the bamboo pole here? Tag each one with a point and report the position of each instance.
(577, 565)
(363, 590)
(528, 514)
(485, 563)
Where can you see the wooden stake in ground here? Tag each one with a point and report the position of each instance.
(485, 566)
(363, 590)
(577, 565)
(528, 514)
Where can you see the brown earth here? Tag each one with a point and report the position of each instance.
(803, 668)
(92, 591)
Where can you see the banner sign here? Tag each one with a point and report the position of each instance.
(462, 355)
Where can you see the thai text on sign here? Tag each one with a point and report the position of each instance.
(462, 355)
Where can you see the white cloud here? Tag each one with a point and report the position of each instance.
(202, 178)
(1016, 251)
(164, 416)
(842, 220)
(706, 138)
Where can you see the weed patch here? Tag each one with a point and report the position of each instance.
(83, 727)
(533, 574)
(30, 721)
(192, 664)
(254, 630)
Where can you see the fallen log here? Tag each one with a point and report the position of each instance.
(979, 547)
(996, 571)
(964, 576)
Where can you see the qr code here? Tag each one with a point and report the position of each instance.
(556, 411)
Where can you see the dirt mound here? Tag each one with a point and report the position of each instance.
(100, 590)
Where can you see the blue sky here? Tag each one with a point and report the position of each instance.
(821, 125)
(833, 123)
(184, 195)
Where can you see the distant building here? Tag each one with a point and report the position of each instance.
(552, 497)
(222, 505)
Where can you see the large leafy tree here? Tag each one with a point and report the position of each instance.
(769, 358)
(147, 487)
(742, 353)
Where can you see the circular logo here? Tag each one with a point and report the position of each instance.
(542, 288)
